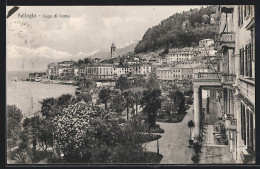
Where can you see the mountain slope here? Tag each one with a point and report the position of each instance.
(180, 30)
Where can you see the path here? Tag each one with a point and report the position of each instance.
(212, 153)
(174, 142)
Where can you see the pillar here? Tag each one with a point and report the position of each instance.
(239, 141)
(197, 111)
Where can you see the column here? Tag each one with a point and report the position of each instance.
(196, 130)
(239, 141)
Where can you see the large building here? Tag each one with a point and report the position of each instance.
(179, 55)
(121, 70)
(104, 71)
(141, 69)
(235, 83)
(180, 72)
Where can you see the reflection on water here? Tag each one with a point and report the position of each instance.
(24, 93)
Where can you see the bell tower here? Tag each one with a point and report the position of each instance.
(113, 50)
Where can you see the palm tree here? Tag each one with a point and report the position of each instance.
(128, 101)
(104, 96)
(151, 102)
(179, 101)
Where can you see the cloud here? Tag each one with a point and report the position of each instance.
(15, 52)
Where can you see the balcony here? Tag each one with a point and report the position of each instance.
(247, 89)
(214, 78)
(207, 79)
(228, 79)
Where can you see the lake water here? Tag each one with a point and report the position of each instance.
(24, 93)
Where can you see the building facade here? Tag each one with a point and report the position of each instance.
(235, 82)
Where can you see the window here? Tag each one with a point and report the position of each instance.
(241, 53)
(247, 11)
(243, 123)
(240, 15)
(249, 60)
(247, 127)
(246, 60)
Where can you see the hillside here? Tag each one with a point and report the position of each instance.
(180, 30)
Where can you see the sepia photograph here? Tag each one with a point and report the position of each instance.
(146, 84)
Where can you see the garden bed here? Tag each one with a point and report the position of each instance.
(172, 118)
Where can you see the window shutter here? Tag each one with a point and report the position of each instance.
(242, 122)
(250, 59)
(246, 60)
(241, 61)
(238, 15)
(241, 14)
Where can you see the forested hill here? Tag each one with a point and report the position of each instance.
(181, 30)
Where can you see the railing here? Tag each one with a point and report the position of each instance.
(247, 89)
(228, 78)
(207, 75)
(227, 37)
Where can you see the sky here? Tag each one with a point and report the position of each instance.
(79, 29)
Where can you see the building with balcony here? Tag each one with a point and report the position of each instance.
(234, 82)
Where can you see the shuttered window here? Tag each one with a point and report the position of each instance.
(241, 53)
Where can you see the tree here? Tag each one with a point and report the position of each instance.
(117, 105)
(87, 61)
(153, 83)
(179, 101)
(93, 136)
(152, 103)
(87, 84)
(104, 96)
(190, 125)
(64, 100)
(137, 97)
(122, 83)
(128, 101)
(86, 97)
(47, 108)
(14, 118)
(139, 81)
(80, 62)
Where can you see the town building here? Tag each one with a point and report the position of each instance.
(53, 71)
(140, 69)
(180, 72)
(104, 71)
(121, 70)
(179, 55)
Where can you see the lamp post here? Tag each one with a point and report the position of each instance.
(158, 146)
(178, 113)
(62, 154)
(62, 157)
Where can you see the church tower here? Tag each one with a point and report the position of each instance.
(113, 50)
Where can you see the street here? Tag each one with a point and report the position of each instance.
(174, 142)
